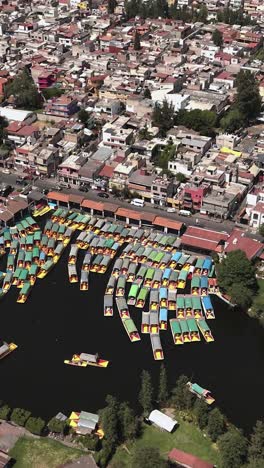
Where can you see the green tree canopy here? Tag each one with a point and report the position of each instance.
(146, 393)
(217, 37)
(261, 230)
(202, 121)
(20, 416)
(256, 444)
(180, 177)
(83, 116)
(147, 93)
(233, 449)
(5, 411)
(128, 423)
(181, 397)
(248, 100)
(109, 420)
(147, 457)
(24, 91)
(55, 425)
(216, 424)
(166, 155)
(232, 121)
(163, 386)
(236, 275)
(163, 117)
(111, 5)
(201, 412)
(35, 425)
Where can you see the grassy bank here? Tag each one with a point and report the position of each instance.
(257, 308)
(186, 437)
(42, 453)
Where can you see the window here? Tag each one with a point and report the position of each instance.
(154, 188)
(255, 216)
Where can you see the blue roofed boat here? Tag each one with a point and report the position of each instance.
(163, 318)
(208, 307)
(204, 285)
(166, 277)
(206, 266)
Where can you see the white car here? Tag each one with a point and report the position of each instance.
(6, 171)
(171, 210)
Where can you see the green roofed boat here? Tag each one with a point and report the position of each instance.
(132, 295)
(176, 331)
(201, 393)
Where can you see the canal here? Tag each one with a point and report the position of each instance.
(58, 320)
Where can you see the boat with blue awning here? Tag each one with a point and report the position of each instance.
(166, 277)
(174, 259)
(163, 318)
(204, 285)
(208, 307)
(163, 298)
(206, 266)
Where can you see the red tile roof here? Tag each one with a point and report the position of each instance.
(75, 198)
(125, 213)
(57, 196)
(169, 223)
(187, 460)
(199, 243)
(111, 207)
(206, 234)
(238, 241)
(107, 171)
(99, 206)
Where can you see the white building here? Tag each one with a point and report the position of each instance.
(162, 420)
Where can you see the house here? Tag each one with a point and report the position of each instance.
(238, 241)
(83, 423)
(18, 133)
(63, 106)
(162, 421)
(257, 215)
(5, 460)
(203, 240)
(187, 460)
(18, 115)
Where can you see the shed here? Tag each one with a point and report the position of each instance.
(162, 420)
(187, 460)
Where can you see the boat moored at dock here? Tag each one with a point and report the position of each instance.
(204, 285)
(207, 264)
(156, 347)
(172, 299)
(163, 318)
(176, 331)
(163, 298)
(207, 307)
(205, 330)
(145, 322)
(188, 306)
(182, 279)
(7, 281)
(132, 295)
(193, 329)
(185, 330)
(84, 281)
(73, 254)
(45, 268)
(195, 285)
(156, 282)
(108, 305)
(84, 360)
(72, 272)
(197, 307)
(122, 307)
(131, 329)
(121, 286)
(131, 273)
(33, 271)
(24, 292)
(201, 393)
(142, 297)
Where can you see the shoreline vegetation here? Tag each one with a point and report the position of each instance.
(130, 441)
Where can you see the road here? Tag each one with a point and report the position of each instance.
(41, 184)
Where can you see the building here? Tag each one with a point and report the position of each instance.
(187, 460)
(238, 241)
(162, 421)
(63, 106)
(203, 240)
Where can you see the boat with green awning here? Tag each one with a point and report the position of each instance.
(193, 329)
(7, 281)
(173, 280)
(96, 263)
(37, 238)
(197, 307)
(7, 238)
(182, 279)
(195, 285)
(198, 266)
(142, 297)
(51, 247)
(24, 293)
(16, 276)
(188, 307)
(180, 307)
(121, 286)
(28, 260)
(151, 257)
(131, 329)
(14, 247)
(131, 273)
(35, 254)
(23, 277)
(149, 277)
(200, 392)
(176, 331)
(33, 271)
(104, 264)
(185, 330)
(58, 252)
(21, 258)
(10, 262)
(158, 258)
(45, 268)
(132, 295)
(205, 330)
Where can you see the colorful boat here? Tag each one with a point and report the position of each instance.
(197, 307)
(6, 348)
(158, 260)
(131, 329)
(23, 277)
(42, 258)
(165, 261)
(195, 285)
(201, 393)
(188, 306)
(172, 299)
(108, 305)
(176, 331)
(45, 268)
(35, 255)
(32, 223)
(58, 252)
(24, 293)
(207, 307)
(182, 279)
(14, 234)
(180, 307)
(7, 239)
(122, 307)
(33, 271)
(47, 227)
(117, 267)
(154, 300)
(61, 232)
(121, 286)
(149, 277)
(72, 273)
(205, 330)
(104, 264)
(204, 285)
(110, 287)
(207, 264)
(131, 273)
(132, 295)
(154, 321)
(16, 276)
(29, 243)
(28, 260)
(163, 318)
(163, 298)
(7, 282)
(157, 278)
(14, 247)
(67, 236)
(156, 347)
(44, 242)
(198, 266)
(142, 297)
(73, 254)
(141, 274)
(10, 262)
(193, 329)
(84, 360)
(86, 262)
(21, 230)
(95, 266)
(173, 280)
(2, 246)
(185, 331)
(125, 266)
(84, 281)
(166, 277)
(145, 326)
(41, 209)
(181, 262)
(174, 260)
(51, 247)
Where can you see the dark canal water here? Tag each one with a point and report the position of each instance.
(59, 320)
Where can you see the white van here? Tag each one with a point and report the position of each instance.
(137, 202)
(185, 213)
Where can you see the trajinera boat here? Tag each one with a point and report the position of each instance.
(84, 360)
(201, 393)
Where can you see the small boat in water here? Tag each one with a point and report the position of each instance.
(84, 360)
(193, 329)
(122, 307)
(163, 318)
(7, 281)
(163, 298)
(84, 281)
(6, 348)
(142, 297)
(24, 293)
(108, 305)
(172, 299)
(201, 393)
(10, 262)
(131, 329)
(173, 280)
(33, 271)
(156, 282)
(154, 300)
(110, 287)
(86, 262)
(132, 295)
(188, 306)
(73, 254)
(72, 272)
(156, 347)
(204, 285)
(58, 252)
(154, 322)
(176, 331)
(182, 278)
(197, 307)
(195, 285)
(45, 268)
(121, 286)
(185, 331)
(207, 307)
(117, 267)
(205, 330)
(145, 322)
(207, 264)
(131, 273)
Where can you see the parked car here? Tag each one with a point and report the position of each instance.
(171, 210)
(103, 195)
(83, 188)
(6, 171)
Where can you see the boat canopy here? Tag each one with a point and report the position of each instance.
(23, 274)
(175, 326)
(121, 282)
(197, 389)
(150, 273)
(105, 260)
(203, 325)
(129, 325)
(195, 283)
(154, 318)
(199, 263)
(184, 326)
(121, 304)
(207, 263)
(166, 274)
(182, 260)
(141, 273)
(204, 282)
(188, 302)
(180, 302)
(159, 256)
(28, 257)
(207, 303)
(176, 257)
(33, 269)
(143, 294)
(163, 314)
(108, 300)
(192, 325)
(97, 259)
(85, 276)
(174, 276)
(157, 275)
(59, 248)
(183, 275)
(133, 290)
(196, 302)
(118, 264)
(132, 269)
(154, 296)
(155, 342)
(163, 293)
(152, 256)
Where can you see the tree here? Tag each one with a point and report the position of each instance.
(109, 420)
(261, 230)
(128, 422)
(49, 93)
(147, 457)
(180, 177)
(217, 37)
(216, 424)
(3, 125)
(35, 425)
(236, 275)
(5, 412)
(56, 425)
(163, 386)
(256, 444)
(91, 442)
(233, 449)
(83, 116)
(232, 121)
(146, 393)
(166, 155)
(111, 5)
(163, 117)
(105, 454)
(201, 412)
(24, 91)
(20, 416)
(248, 100)
(147, 93)
(182, 398)
(198, 120)
(202, 13)
(144, 133)
(137, 45)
